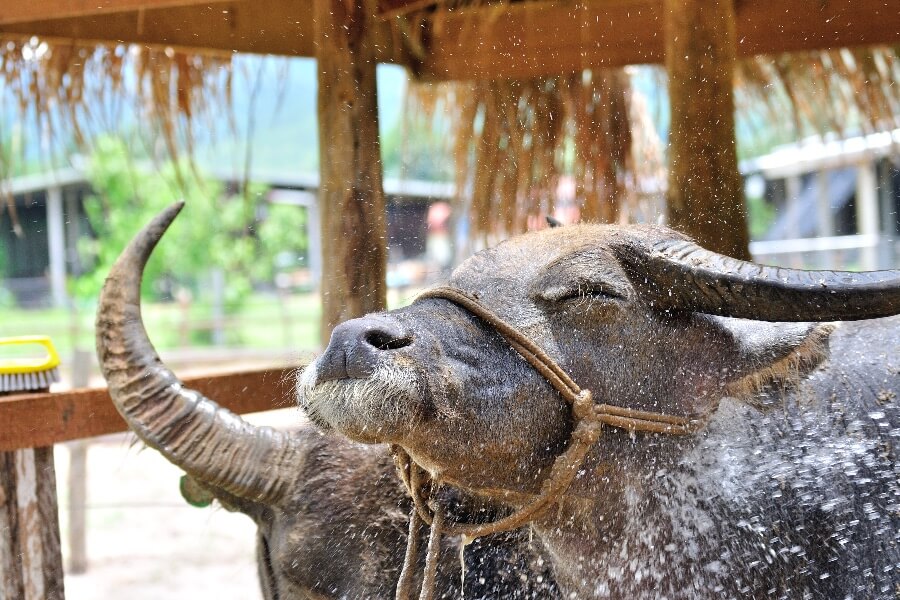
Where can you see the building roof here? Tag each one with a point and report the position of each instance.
(816, 154)
(26, 184)
(409, 188)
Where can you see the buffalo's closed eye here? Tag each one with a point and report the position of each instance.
(593, 293)
(582, 292)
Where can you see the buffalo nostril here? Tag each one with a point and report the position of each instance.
(384, 340)
(358, 346)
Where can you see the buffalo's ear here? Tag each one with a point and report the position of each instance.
(771, 356)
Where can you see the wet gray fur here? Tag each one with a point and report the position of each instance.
(791, 490)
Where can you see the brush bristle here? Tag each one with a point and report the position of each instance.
(26, 382)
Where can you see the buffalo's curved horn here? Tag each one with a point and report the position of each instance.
(210, 443)
(680, 275)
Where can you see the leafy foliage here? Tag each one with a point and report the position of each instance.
(215, 231)
(760, 216)
(417, 149)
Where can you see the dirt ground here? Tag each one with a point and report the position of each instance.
(144, 541)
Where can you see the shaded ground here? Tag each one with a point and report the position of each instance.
(144, 542)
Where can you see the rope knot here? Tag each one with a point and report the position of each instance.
(583, 407)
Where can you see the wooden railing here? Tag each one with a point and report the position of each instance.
(36, 420)
(30, 424)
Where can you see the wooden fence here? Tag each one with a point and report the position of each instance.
(30, 424)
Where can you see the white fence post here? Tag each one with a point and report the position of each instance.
(56, 239)
(867, 211)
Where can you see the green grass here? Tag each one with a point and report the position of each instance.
(263, 322)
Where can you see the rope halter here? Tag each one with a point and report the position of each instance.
(588, 418)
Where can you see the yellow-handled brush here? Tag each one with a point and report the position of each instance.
(34, 364)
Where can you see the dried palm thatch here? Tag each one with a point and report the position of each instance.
(72, 90)
(843, 91)
(69, 83)
(514, 140)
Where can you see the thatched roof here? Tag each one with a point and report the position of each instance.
(512, 137)
(74, 90)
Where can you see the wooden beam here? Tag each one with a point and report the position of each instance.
(351, 194)
(541, 38)
(34, 420)
(18, 11)
(765, 27)
(281, 27)
(532, 39)
(391, 8)
(526, 39)
(705, 196)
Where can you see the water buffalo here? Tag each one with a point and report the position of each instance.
(788, 488)
(332, 516)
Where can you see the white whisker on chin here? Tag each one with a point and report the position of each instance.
(306, 380)
(387, 401)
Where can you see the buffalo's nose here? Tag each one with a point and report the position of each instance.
(357, 346)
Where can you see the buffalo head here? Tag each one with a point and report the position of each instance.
(640, 315)
(332, 517)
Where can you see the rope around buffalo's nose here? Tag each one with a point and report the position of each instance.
(589, 419)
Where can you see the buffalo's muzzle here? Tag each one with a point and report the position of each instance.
(357, 346)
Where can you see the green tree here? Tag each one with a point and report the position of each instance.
(418, 149)
(282, 237)
(214, 231)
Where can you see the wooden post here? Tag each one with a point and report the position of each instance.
(705, 196)
(81, 369)
(30, 557)
(351, 198)
(78, 561)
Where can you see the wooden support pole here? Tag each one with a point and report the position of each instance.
(30, 557)
(78, 558)
(705, 196)
(351, 197)
(10, 563)
(78, 450)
